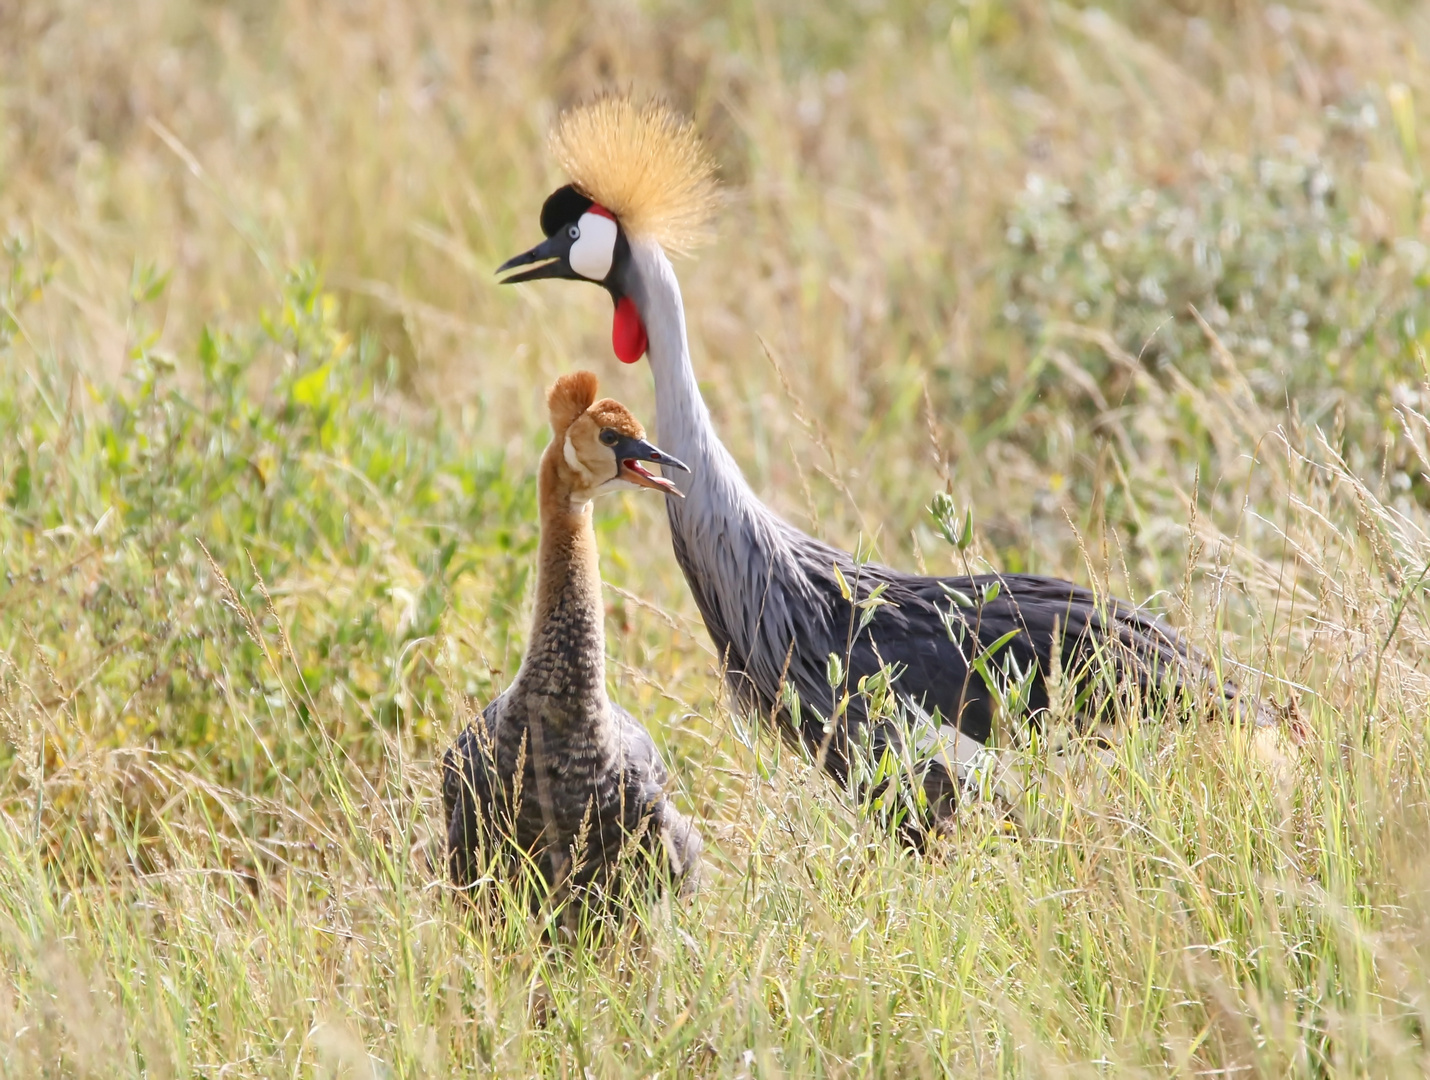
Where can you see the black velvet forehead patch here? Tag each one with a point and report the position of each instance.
(562, 207)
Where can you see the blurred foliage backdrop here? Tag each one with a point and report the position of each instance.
(1144, 285)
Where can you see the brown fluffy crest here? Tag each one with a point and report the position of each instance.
(644, 163)
(610, 413)
(570, 396)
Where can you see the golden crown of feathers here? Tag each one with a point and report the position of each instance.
(644, 163)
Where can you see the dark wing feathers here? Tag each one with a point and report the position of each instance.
(802, 617)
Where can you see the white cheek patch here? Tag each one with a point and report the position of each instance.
(595, 249)
(583, 472)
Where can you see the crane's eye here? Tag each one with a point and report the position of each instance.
(608, 435)
(573, 231)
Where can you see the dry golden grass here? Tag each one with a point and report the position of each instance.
(1142, 285)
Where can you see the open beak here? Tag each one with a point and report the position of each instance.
(631, 452)
(549, 252)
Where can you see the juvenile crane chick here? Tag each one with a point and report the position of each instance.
(554, 772)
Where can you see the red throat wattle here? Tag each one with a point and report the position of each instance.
(628, 332)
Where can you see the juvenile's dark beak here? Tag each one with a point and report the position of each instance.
(552, 248)
(630, 452)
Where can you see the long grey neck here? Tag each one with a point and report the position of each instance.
(682, 420)
(738, 557)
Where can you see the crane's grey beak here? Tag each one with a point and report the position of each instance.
(630, 452)
(553, 248)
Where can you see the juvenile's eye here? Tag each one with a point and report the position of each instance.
(609, 437)
(573, 231)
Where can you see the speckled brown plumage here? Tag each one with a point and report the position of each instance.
(553, 769)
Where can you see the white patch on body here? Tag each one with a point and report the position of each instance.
(952, 744)
(973, 765)
(595, 249)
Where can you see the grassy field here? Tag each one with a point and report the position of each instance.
(1144, 286)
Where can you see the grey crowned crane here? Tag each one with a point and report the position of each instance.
(772, 598)
(554, 775)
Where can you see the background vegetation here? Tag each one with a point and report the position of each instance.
(1143, 285)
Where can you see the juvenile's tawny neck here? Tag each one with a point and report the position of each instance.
(566, 658)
